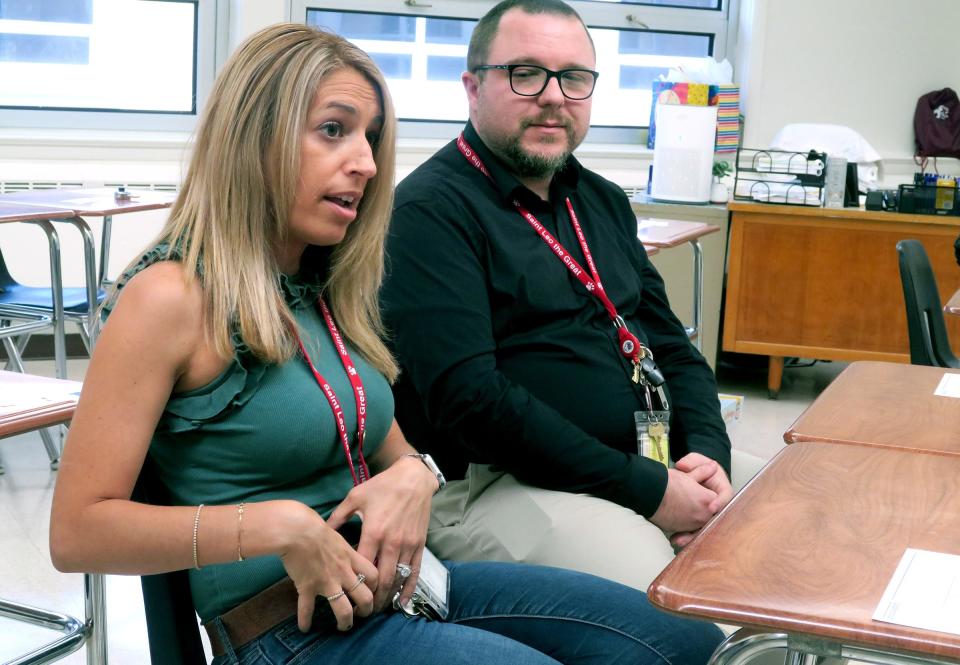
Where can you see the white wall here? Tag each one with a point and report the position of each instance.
(860, 63)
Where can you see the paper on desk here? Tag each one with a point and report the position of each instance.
(949, 386)
(647, 223)
(924, 592)
(20, 398)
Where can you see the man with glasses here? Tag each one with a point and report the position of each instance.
(524, 373)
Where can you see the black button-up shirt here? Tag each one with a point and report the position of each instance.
(507, 359)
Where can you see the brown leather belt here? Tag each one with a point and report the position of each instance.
(252, 618)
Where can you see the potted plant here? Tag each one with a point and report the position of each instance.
(718, 191)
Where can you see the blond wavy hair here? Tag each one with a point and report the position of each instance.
(233, 209)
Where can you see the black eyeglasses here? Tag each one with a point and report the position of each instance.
(531, 80)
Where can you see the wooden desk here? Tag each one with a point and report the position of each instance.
(96, 202)
(823, 283)
(667, 233)
(953, 305)
(92, 202)
(808, 547)
(22, 409)
(883, 404)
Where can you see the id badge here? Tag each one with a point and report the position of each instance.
(653, 435)
(431, 598)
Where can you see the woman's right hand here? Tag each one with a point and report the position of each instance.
(322, 564)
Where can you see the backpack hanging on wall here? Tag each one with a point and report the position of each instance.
(936, 125)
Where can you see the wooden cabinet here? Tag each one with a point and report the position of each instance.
(821, 283)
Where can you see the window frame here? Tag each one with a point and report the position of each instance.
(721, 23)
(211, 27)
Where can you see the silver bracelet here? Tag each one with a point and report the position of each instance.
(196, 527)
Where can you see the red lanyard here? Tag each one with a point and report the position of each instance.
(630, 346)
(363, 473)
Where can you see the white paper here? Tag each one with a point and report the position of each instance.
(19, 397)
(949, 386)
(924, 592)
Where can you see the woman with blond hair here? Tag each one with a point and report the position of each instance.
(242, 358)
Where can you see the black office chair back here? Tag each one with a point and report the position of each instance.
(171, 622)
(929, 344)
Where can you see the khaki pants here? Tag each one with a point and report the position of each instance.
(490, 515)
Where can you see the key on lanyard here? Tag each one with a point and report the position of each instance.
(645, 370)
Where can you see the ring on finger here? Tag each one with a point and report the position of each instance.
(404, 570)
(337, 596)
(361, 578)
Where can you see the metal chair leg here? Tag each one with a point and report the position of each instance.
(95, 611)
(56, 288)
(53, 450)
(85, 337)
(697, 293)
(73, 631)
(14, 360)
(743, 645)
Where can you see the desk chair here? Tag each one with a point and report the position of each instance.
(929, 344)
(172, 628)
(26, 309)
(19, 301)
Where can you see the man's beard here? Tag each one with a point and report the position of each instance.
(526, 164)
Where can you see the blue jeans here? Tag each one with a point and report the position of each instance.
(503, 613)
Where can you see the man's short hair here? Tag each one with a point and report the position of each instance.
(486, 29)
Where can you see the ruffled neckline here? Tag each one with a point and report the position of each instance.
(300, 291)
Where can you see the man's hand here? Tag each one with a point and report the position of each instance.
(718, 482)
(686, 503)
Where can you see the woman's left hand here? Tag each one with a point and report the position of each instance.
(395, 508)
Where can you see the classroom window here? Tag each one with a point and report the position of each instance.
(421, 58)
(108, 64)
(636, 42)
(688, 4)
(96, 55)
(445, 67)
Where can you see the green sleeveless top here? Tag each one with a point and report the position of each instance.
(259, 432)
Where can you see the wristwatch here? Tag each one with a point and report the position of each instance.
(434, 469)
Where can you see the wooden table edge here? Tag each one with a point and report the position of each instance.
(681, 238)
(21, 423)
(794, 626)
